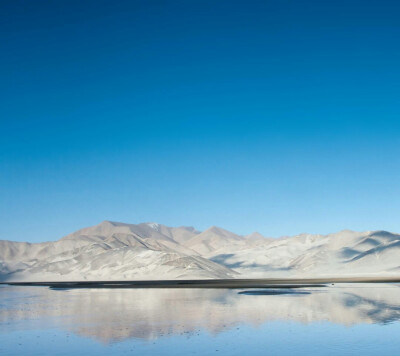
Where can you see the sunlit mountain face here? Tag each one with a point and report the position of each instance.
(149, 251)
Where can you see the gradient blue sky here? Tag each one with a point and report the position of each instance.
(276, 116)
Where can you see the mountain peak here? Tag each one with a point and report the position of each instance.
(216, 229)
(107, 222)
(254, 236)
(154, 225)
(111, 223)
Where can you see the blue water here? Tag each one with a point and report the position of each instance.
(341, 319)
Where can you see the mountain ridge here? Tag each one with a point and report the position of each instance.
(115, 250)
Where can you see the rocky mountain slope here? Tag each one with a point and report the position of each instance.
(117, 251)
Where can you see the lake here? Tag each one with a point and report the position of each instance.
(345, 319)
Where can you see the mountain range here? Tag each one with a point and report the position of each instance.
(119, 251)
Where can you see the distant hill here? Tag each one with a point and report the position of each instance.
(118, 251)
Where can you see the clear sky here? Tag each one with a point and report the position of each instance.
(276, 116)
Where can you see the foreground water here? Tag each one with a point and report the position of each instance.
(341, 319)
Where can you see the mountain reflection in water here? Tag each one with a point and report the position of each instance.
(110, 315)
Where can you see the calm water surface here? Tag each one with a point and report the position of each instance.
(337, 320)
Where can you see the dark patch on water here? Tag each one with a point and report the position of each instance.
(274, 292)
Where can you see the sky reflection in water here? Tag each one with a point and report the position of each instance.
(346, 319)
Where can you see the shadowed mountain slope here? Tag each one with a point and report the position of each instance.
(118, 251)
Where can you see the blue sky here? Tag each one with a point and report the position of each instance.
(275, 116)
